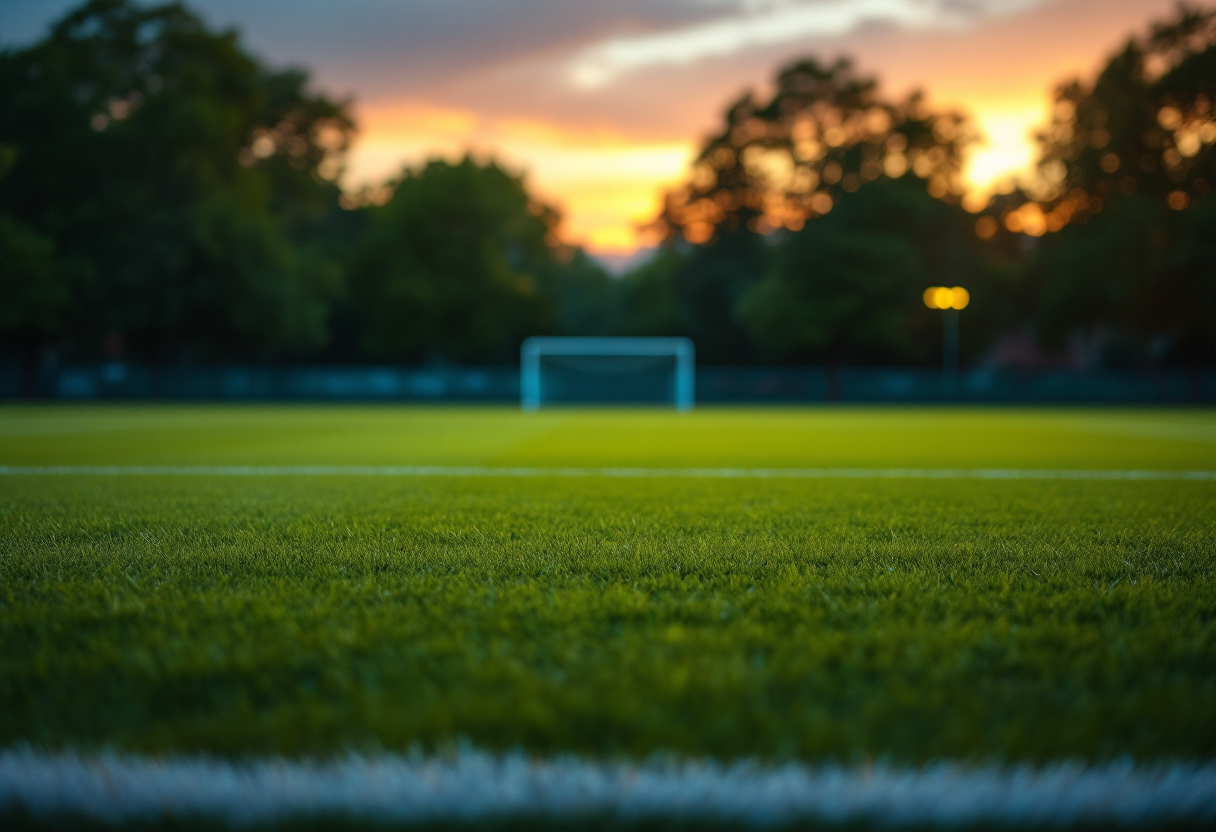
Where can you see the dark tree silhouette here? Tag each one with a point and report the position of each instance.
(823, 133)
(1124, 199)
(175, 181)
(461, 264)
(796, 236)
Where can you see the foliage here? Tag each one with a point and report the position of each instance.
(587, 299)
(1124, 198)
(461, 264)
(1144, 126)
(166, 198)
(824, 132)
(170, 199)
(176, 178)
(757, 267)
(28, 283)
(1122, 193)
(695, 291)
(1140, 277)
(847, 287)
(906, 621)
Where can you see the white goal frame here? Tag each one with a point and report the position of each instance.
(531, 386)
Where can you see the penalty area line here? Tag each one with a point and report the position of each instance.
(471, 785)
(609, 472)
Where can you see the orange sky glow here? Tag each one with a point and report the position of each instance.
(606, 170)
(601, 106)
(605, 183)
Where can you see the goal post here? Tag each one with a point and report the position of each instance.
(607, 370)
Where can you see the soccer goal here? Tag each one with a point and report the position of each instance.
(556, 371)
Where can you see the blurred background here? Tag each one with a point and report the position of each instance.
(269, 199)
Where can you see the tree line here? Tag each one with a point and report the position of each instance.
(167, 198)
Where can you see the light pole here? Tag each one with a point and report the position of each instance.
(950, 301)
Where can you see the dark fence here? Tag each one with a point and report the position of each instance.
(121, 381)
(714, 385)
(815, 384)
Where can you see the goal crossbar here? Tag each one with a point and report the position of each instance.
(536, 349)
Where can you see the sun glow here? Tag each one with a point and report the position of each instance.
(1008, 151)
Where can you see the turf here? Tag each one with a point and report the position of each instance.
(907, 620)
(881, 437)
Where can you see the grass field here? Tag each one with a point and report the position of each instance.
(822, 618)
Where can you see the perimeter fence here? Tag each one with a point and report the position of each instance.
(714, 385)
(813, 384)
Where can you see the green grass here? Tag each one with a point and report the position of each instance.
(840, 619)
(782, 437)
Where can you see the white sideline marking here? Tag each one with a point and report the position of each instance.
(471, 785)
(704, 473)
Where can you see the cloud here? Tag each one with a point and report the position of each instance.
(384, 48)
(769, 23)
(379, 47)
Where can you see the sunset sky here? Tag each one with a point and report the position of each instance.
(602, 105)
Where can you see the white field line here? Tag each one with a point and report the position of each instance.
(694, 473)
(471, 785)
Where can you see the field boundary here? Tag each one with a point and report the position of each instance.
(611, 472)
(470, 785)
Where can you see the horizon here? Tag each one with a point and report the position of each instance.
(602, 109)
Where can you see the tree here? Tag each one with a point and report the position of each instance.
(30, 284)
(176, 180)
(695, 291)
(846, 288)
(758, 263)
(461, 264)
(1123, 202)
(824, 132)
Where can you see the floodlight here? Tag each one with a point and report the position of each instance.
(944, 297)
(949, 300)
(616, 370)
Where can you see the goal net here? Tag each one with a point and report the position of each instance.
(607, 371)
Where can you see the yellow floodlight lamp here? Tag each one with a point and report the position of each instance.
(945, 297)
